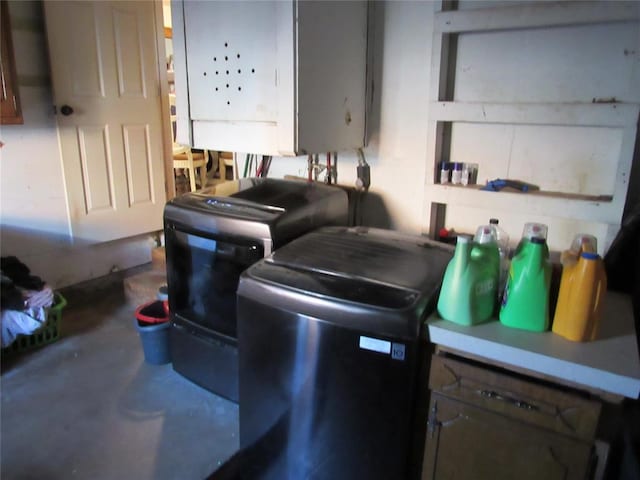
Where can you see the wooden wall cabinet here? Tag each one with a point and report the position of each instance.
(484, 424)
(11, 112)
(272, 77)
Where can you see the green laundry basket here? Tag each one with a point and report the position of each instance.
(47, 333)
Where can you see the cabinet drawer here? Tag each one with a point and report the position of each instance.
(527, 401)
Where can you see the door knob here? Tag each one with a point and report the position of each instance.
(66, 110)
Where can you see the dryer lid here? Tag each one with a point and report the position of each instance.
(286, 208)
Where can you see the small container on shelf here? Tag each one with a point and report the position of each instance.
(466, 174)
(444, 172)
(456, 173)
(472, 169)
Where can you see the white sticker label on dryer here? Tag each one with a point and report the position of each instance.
(375, 345)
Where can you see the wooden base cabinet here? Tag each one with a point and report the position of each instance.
(484, 424)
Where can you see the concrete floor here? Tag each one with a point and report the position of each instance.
(88, 406)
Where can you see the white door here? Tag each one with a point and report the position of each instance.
(106, 89)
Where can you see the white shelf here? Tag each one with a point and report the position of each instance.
(614, 115)
(610, 364)
(542, 14)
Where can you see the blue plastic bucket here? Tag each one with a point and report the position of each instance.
(154, 336)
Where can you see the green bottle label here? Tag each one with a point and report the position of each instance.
(485, 287)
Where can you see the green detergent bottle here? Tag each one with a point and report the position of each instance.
(467, 296)
(525, 303)
(486, 253)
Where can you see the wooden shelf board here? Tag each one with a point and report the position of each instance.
(537, 15)
(542, 193)
(592, 208)
(613, 115)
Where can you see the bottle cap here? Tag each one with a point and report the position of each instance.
(589, 255)
(457, 166)
(485, 234)
(534, 230)
(584, 242)
(493, 221)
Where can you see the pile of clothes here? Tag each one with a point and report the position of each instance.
(24, 300)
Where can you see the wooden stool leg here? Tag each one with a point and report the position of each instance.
(203, 176)
(234, 166)
(192, 178)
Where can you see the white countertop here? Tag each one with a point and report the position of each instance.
(610, 364)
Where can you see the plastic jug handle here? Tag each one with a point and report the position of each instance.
(602, 285)
(601, 288)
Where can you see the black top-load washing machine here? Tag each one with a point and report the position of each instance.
(211, 237)
(333, 357)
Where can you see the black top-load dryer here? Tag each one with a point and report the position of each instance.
(333, 357)
(211, 237)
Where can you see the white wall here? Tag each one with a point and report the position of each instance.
(34, 219)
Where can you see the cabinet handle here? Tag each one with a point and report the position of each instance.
(525, 405)
(503, 398)
(432, 421)
(4, 85)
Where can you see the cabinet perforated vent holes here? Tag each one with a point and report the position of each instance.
(229, 73)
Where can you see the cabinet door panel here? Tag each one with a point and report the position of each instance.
(465, 442)
(235, 75)
(232, 64)
(525, 401)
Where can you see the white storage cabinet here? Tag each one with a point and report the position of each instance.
(270, 77)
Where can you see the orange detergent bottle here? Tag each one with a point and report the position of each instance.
(582, 290)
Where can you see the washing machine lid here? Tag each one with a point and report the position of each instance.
(371, 280)
(370, 255)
